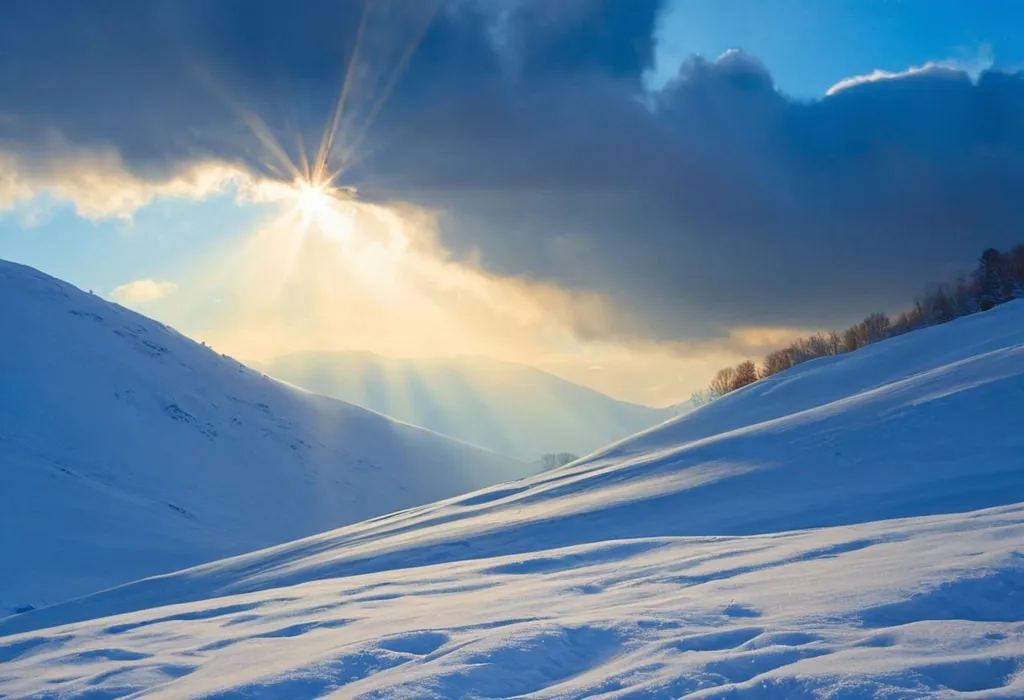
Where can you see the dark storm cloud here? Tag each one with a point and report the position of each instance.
(716, 202)
(720, 201)
(161, 79)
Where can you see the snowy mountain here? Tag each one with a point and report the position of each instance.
(851, 528)
(127, 450)
(509, 408)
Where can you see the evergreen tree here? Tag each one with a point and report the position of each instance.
(1016, 264)
(991, 280)
(965, 297)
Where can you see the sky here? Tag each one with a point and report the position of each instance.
(627, 193)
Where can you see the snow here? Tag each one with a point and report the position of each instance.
(127, 450)
(924, 607)
(853, 528)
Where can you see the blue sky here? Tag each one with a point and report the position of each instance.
(159, 241)
(537, 181)
(809, 45)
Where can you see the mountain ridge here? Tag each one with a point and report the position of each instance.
(508, 407)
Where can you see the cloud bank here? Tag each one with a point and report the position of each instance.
(718, 203)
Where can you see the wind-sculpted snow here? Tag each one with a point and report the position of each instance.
(941, 438)
(127, 450)
(919, 608)
(852, 528)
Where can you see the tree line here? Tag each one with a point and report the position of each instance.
(554, 460)
(997, 279)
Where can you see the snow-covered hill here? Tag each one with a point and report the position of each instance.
(922, 608)
(851, 528)
(127, 450)
(506, 407)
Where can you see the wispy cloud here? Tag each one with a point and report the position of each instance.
(142, 292)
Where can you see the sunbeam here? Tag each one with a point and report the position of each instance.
(377, 60)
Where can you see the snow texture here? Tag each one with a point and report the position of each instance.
(852, 528)
(127, 450)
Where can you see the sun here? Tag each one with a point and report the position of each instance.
(313, 200)
(323, 210)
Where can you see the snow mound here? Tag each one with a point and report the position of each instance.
(128, 450)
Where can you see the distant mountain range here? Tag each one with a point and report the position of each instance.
(510, 408)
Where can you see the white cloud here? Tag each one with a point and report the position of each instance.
(934, 69)
(142, 291)
(100, 186)
(953, 67)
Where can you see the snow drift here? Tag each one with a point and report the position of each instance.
(127, 450)
(850, 528)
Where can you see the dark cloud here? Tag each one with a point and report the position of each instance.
(714, 203)
(162, 80)
(720, 201)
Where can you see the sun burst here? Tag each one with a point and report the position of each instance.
(312, 199)
(323, 209)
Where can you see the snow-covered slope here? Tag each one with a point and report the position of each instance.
(922, 608)
(127, 450)
(506, 407)
(748, 549)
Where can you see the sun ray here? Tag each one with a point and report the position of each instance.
(303, 159)
(331, 130)
(381, 145)
(256, 125)
(309, 179)
(395, 75)
(266, 138)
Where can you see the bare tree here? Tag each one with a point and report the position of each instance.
(835, 343)
(818, 346)
(851, 339)
(745, 373)
(723, 382)
(907, 321)
(775, 362)
(555, 460)
(701, 398)
(998, 278)
(873, 328)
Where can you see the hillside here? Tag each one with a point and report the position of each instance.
(506, 407)
(128, 450)
(849, 528)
